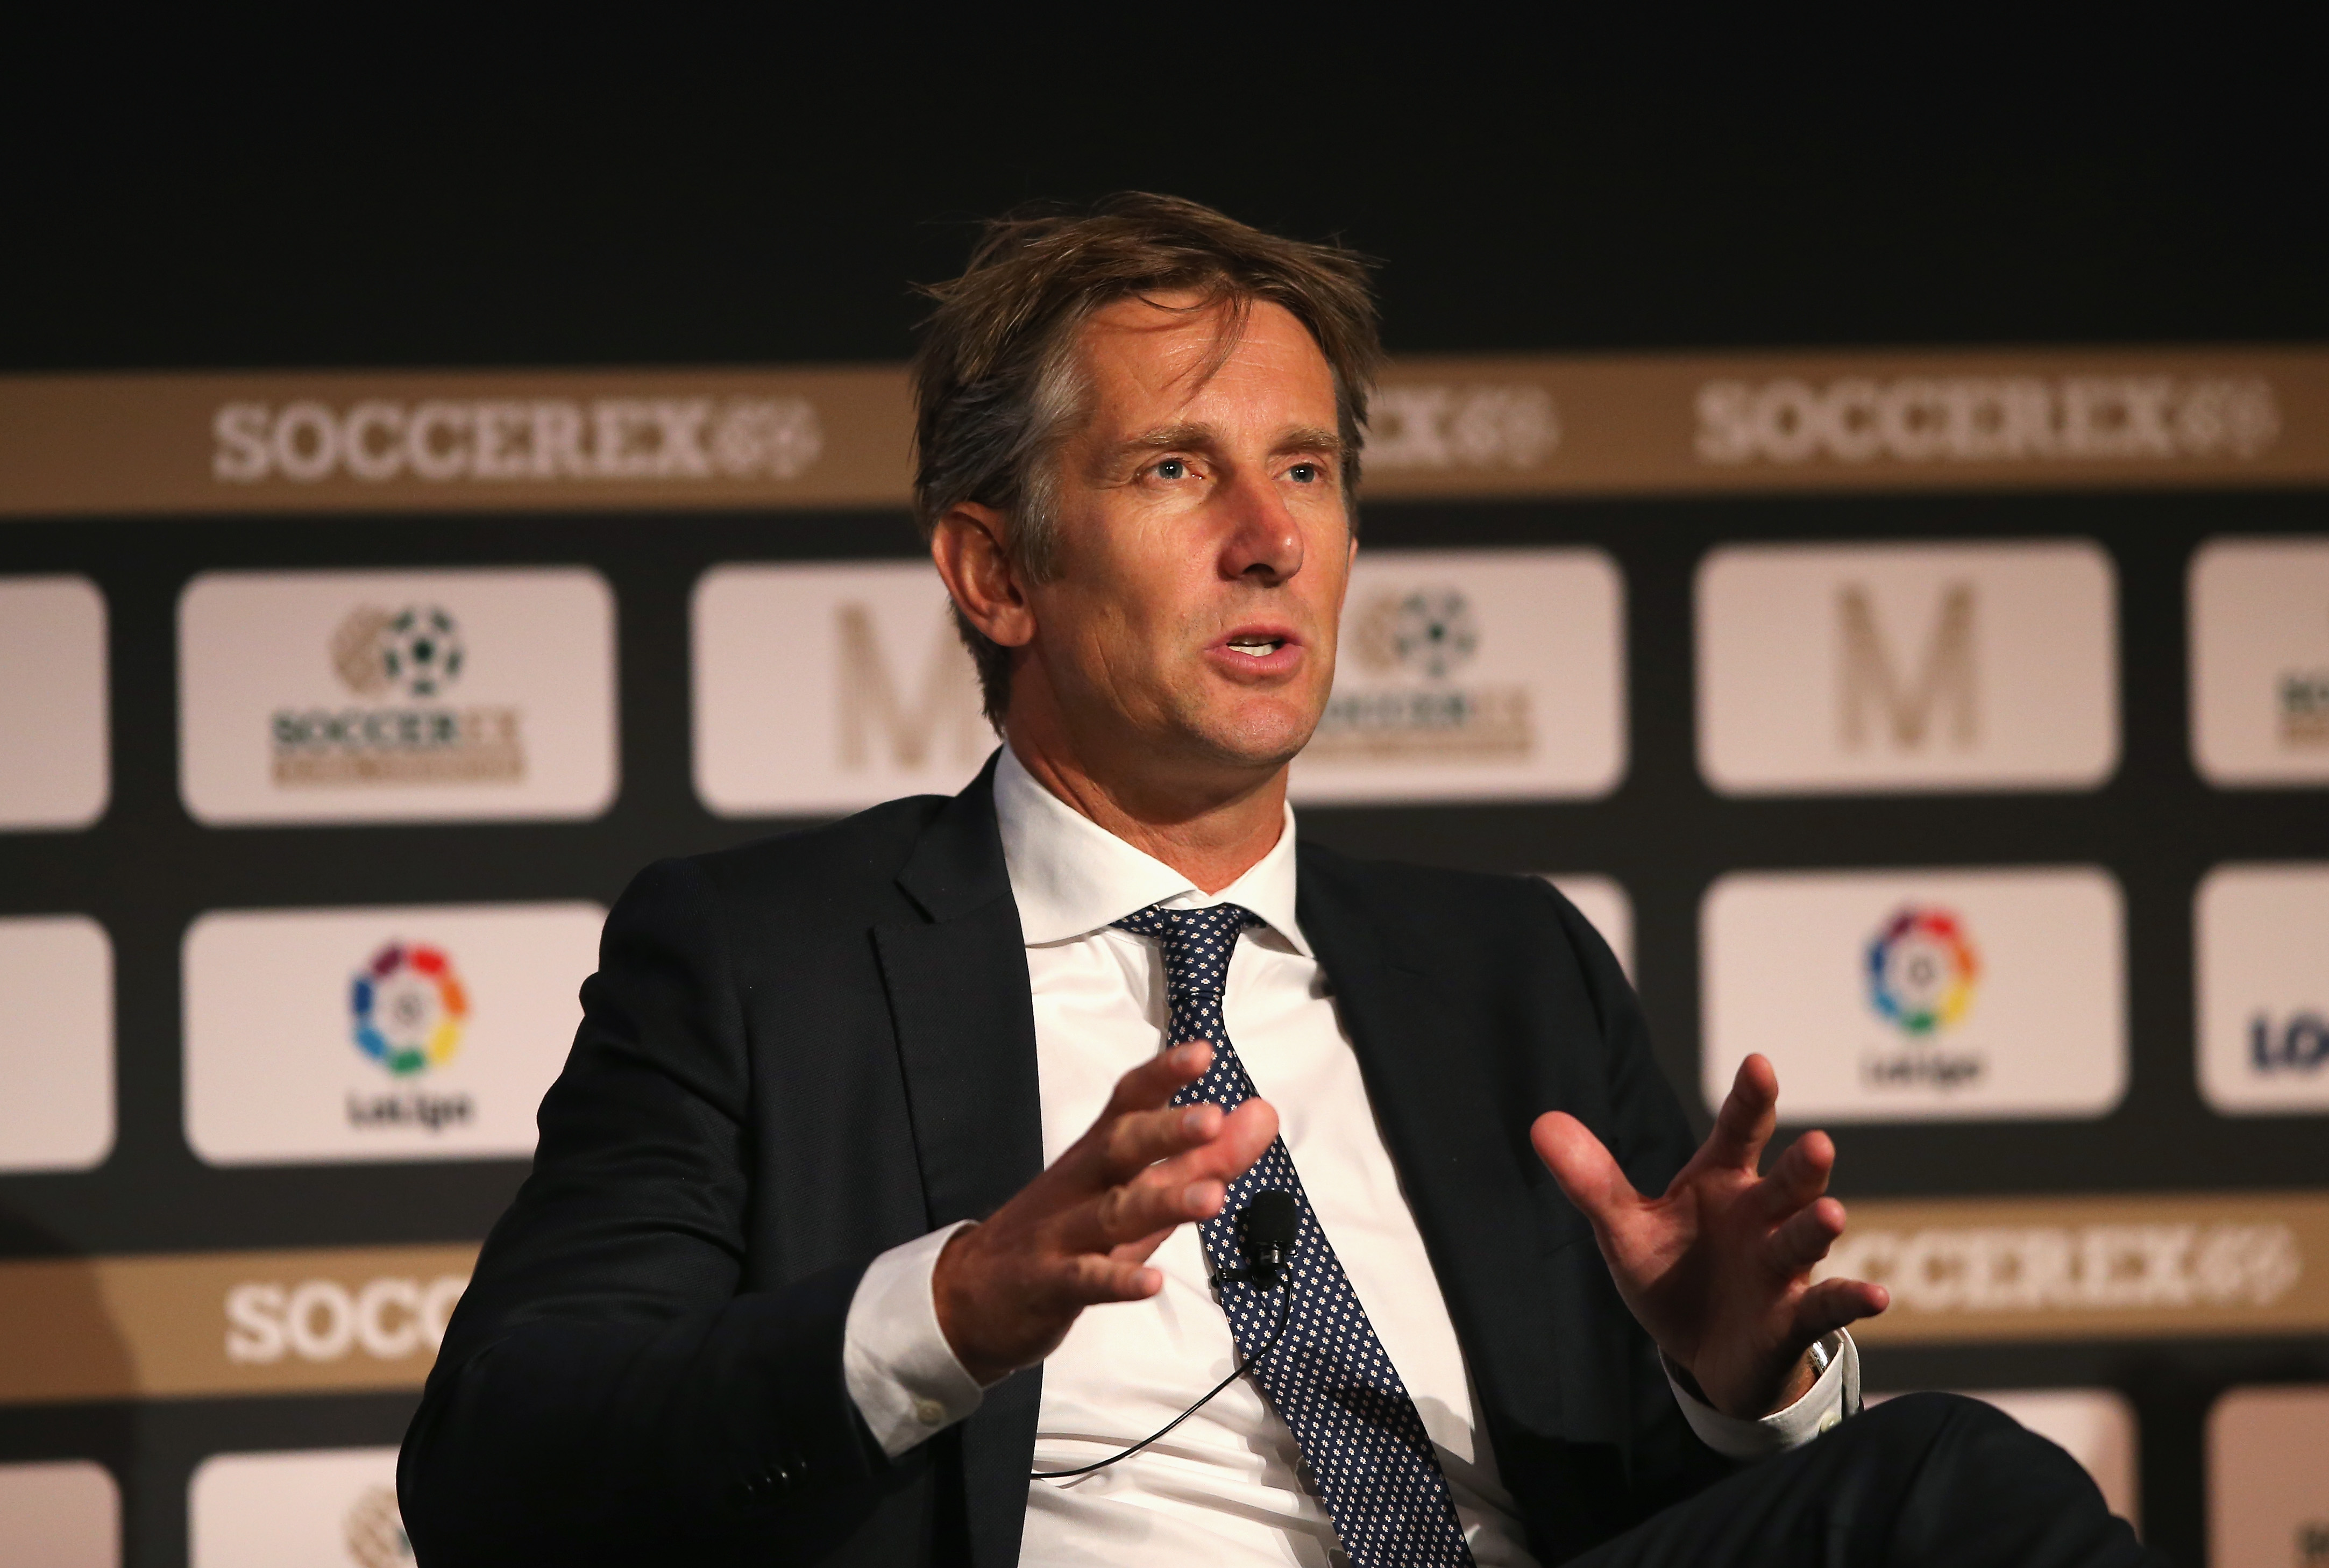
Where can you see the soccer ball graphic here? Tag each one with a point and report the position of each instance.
(1429, 632)
(421, 650)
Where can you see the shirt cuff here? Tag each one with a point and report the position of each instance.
(899, 1370)
(1834, 1397)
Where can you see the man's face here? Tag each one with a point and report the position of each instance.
(1203, 540)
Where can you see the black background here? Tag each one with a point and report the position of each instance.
(756, 189)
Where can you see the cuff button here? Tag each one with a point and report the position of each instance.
(928, 1412)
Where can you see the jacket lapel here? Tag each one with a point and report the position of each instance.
(1462, 1156)
(965, 1028)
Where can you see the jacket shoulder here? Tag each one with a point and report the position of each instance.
(1438, 895)
(846, 867)
(1475, 923)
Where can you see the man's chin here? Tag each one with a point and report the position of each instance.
(1258, 743)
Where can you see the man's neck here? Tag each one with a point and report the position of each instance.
(1210, 837)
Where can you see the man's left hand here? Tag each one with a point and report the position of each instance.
(1718, 1268)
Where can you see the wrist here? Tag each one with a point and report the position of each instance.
(1801, 1379)
(1751, 1405)
(954, 1302)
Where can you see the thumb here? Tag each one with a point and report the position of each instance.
(1582, 1166)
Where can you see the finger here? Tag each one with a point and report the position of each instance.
(1797, 1178)
(1190, 1187)
(1238, 1139)
(1156, 1080)
(1130, 1144)
(1805, 1238)
(1749, 1113)
(1833, 1304)
(1245, 1134)
(1092, 1279)
(1133, 1209)
(1584, 1168)
(1140, 1251)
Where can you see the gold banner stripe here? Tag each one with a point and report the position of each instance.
(354, 1319)
(2091, 1268)
(1474, 426)
(302, 1321)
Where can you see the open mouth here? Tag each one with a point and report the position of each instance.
(1254, 645)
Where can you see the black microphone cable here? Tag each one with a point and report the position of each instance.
(1271, 1222)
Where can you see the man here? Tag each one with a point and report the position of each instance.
(904, 1172)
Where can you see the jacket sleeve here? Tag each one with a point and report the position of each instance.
(1650, 1137)
(604, 1393)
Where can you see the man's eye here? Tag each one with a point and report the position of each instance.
(1171, 468)
(1303, 473)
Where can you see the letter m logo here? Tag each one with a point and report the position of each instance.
(944, 711)
(1869, 685)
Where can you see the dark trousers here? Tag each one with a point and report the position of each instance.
(1930, 1479)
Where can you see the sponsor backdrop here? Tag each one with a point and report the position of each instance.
(1949, 728)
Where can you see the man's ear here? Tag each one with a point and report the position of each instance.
(967, 547)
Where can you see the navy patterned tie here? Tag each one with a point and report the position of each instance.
(1329, 1379)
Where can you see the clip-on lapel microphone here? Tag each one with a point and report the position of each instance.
(1267, 1230)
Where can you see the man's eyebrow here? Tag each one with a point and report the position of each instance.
(1310, 438)
(1164, 437)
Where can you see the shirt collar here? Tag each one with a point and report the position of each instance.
(1071, 876)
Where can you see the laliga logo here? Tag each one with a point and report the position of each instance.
(1921, 971)
(408, 1007)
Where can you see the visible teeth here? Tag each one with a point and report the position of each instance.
(1257, 647)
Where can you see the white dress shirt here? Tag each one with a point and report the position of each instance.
(1225, 1487)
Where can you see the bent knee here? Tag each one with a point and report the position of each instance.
(1920, 1420)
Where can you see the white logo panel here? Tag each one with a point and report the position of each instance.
(2262, 967)
(56, 1043)
(1905, 996)
(426, 1032)
(52, 705)
(63, 1515)
(1474, 675)
(1603, 902)
(2266, 1501)
(379, 696)
(313, 1508)
(1897, 667)
(825, 689)
(2260, 662)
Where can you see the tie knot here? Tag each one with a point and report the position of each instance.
(1196, 944)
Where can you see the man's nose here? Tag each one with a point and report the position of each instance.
(1264, 540)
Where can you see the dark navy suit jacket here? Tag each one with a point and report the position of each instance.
(799, 1054)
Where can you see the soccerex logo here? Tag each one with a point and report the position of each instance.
(440, 441)
(409, 1008)
(1921, 971)
(1398, 700)
(375, 1530)
(416, 650)
(1859, 419)
(1429, 632)
(403, 663)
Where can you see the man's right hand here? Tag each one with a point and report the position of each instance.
(1082, 1232)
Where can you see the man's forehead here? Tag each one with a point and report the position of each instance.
(1173, 352)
